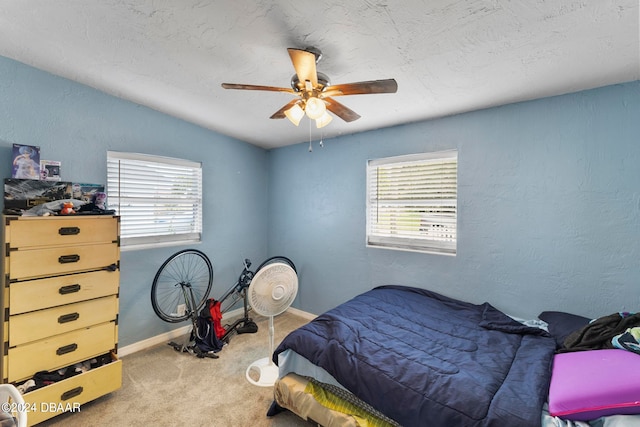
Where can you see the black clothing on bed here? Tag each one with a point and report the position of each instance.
(598, 334)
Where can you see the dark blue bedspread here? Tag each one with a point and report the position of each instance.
(424, 359)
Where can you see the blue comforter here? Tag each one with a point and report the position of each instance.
(424, 359)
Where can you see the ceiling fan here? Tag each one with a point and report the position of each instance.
(314, 93)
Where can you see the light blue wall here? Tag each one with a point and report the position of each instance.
(549, 208)
(77, 125)
(549, 197)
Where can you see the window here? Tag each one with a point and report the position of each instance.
(159, 199)
(412, 202)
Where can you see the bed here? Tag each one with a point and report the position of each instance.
(403, 356)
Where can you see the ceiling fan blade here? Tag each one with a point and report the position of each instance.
(304, 63)
(362, 88)
(280, 113)
(257, 87)
(345, 113)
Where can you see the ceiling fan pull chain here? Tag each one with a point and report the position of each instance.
(310, 146)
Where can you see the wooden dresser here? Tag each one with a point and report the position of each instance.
(60, 309)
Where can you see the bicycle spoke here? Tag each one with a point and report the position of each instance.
(185, 279)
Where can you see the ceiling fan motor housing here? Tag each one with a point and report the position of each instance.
(298, 86)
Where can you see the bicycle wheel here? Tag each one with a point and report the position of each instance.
(273, 259)
(187, 271)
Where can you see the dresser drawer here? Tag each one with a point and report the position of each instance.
(43, 293)
(25, 264)
(27, 327)
(27, 232)
(59, 351)
(68, 394)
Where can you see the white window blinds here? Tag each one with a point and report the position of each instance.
(412, 202)
(159, 199)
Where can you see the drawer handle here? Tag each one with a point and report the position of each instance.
(66, 318)
(71, 393)
(69, 289)
(66, 259)
(69, 231)
(66, 349)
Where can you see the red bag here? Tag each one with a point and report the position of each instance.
(216, 317)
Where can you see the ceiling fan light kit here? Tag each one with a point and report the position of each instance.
(315, 91)
(295, 114)
(323, 120)
(315, 108)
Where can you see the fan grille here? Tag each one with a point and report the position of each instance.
(273, 289)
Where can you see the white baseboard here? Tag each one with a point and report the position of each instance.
(183, 330)
(303, 314)
(150, 342)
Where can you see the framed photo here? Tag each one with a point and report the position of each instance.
(50, 170)
(26, 162)
(23, 194)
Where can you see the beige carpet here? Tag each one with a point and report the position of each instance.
(161, 387)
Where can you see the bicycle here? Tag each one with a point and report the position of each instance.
(181, 288)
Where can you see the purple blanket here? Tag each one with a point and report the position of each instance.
(424, 359)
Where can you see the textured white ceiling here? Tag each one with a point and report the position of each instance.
(448, 56)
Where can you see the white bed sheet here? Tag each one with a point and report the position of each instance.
(610, 421)
(290, 361)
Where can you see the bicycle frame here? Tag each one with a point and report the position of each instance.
(237, 292)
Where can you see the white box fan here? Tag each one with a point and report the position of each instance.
(271, 292)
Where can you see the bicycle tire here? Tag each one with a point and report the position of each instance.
(275, 259)
(188, 266)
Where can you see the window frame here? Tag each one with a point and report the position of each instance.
(444, 215)
(159, 236)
